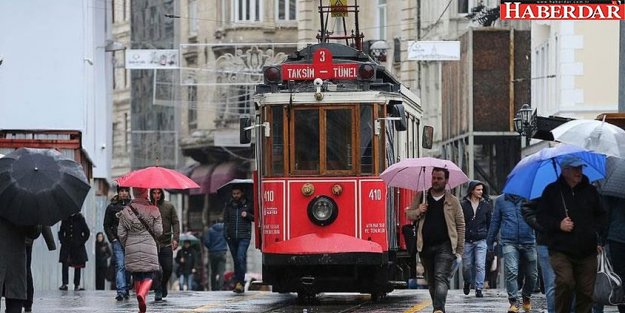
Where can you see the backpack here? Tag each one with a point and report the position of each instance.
(608, 286)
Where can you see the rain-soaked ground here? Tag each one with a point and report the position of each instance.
(408, 301)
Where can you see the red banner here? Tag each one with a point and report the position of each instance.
(561, 11)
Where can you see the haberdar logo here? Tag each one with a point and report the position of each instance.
(562, 10)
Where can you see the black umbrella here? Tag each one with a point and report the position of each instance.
(40, 187)
(247, 185)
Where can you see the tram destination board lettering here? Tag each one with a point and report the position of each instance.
(345, 71)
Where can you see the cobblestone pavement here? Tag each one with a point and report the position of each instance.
(407, 301)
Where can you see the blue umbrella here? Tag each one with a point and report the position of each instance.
(533, 173)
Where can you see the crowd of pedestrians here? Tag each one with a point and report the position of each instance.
(558, 234)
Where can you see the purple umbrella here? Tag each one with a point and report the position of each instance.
(415, 173)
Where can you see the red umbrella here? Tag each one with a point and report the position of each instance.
(157, 177)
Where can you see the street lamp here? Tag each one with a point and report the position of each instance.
(525, 122)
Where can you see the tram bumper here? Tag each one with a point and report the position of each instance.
(324, 262)
(320, 249)
(323, 244)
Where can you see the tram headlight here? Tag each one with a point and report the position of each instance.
(366, 72)
(272, 74)
(322, 210)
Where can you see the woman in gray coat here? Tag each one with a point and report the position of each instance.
(13, 263)
(139, 224)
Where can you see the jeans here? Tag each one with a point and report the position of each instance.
(548, 276)
(512, 254)
(120, 277)
(474, 263)
(217, 265)
(238, 249)
(437, 261)
(186, 280)
(165, 259)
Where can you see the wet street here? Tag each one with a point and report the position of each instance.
(408, 301)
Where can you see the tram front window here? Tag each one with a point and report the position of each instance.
(366, 139)
(306, 140)
(339, 139)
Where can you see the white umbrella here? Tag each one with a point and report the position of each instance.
(594, 135)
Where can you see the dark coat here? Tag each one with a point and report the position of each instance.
(186, 260)
(111, 221)
(13, 258)
(529, 210)
(102, 254)
(235, 226)
(584, 207)
(73, 235)
(171, 223)
(476, 225)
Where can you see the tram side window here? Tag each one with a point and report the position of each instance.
(339, 139)
(277, 149)
(306, 140)
(366, 139)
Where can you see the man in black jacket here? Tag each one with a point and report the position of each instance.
(572, 216)
(111, 221)
(238, 218)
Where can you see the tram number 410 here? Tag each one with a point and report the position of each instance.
(268, 196)
(375, 194)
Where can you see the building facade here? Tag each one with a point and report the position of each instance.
(53, 88)
(575, 71)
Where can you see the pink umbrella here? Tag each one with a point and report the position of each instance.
(157, 177)
(416, 173)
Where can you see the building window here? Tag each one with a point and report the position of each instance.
(382, 19)
(192, 107)
(247, 10)
(193, 21)
(540, 81)
(464, 6)
(285, 10)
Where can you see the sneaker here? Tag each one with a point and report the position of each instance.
(126, 296)
(513, 308)
(158, 295)
(119, 298)
(527, 305)
(238, 288)
(478, 293)
(63, 287)
(438, 311)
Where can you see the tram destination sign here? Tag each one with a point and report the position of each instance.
(322, 67)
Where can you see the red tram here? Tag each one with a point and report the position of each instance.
(328, 121)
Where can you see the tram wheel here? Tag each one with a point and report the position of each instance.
(377, 296)
(306, 297)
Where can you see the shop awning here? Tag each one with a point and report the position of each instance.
(212, 176)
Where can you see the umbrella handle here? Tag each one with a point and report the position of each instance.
(424, 191)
